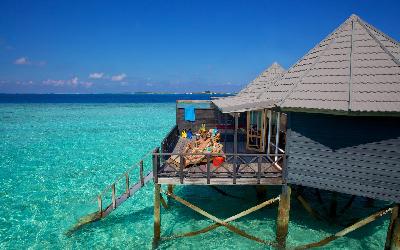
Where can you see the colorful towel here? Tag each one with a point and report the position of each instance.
(190, 114)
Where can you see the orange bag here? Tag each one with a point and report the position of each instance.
(218, 160)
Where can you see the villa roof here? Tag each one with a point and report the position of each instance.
(355, 68)
(247, 98)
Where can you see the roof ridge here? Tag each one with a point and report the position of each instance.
(335, 33)
(379, 31)
(269, 72)
(364, 25)
(351, 63)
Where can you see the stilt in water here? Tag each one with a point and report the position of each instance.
(157, 215)
(283, 216)
(395, 244)
(391, 234)
(170, 188)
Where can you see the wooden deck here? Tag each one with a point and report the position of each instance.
(238, 169)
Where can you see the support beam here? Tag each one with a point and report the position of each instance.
(219, 221)
(232, 218)
(347, 230)
(283, 216)
(157, 215)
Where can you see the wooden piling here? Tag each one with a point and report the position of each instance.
(157, 215)
(170, 188)
(395, 242)
(283, 216)
(390, 232)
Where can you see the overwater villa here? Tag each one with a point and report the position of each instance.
(331, 122)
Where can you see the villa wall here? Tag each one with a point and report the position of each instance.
(206, 116)
(350, 154)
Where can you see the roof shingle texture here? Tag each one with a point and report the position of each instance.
(248, 98)
(355, 68)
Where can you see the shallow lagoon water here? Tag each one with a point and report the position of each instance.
(55, 159)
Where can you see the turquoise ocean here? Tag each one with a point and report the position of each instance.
(58, 152)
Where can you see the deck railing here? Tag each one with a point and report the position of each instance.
(170, 141)
(235, 166)
(125, 185)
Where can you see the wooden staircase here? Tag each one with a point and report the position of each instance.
(130, 190)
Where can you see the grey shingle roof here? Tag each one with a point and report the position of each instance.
(247, 98)
(355, 68)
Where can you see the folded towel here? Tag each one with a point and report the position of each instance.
(190, 114)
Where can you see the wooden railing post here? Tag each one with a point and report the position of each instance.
(208, 168)
(155, 164)
(259, 170)
(181, 166)
(141, 173)
(235, 147)
(128, 193)
(100, 204)
(114, 200)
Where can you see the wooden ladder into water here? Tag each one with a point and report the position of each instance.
(104, 211)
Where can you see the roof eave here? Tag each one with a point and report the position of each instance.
(340, 112)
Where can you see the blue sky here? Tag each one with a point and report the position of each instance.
(127, 46)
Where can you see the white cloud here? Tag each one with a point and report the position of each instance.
(54, 82)
(26, 61)
(22, 61)
(74, 82)
(96, 75)
(118, 78)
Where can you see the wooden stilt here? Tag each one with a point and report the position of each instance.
(157, 215)
(170, 188)
(389, 236)
(283, 216)
(395, 244)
